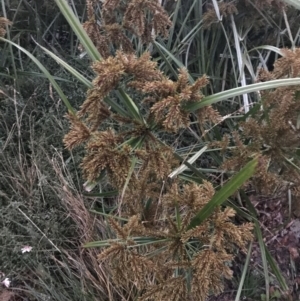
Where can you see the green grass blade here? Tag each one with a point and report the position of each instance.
(276, 270)
(116, 107)
(131, 106)
(224, 193)
(165, 59)
(74, 72)
(245, 269)
(174, 21)
(47, 74)
(140, 241)
(272, 84)
(184, 22)
(269, 48)
(161, 49)
(42, 75)
(263, 257)
(79, 31)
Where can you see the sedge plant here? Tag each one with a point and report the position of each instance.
(176, 238)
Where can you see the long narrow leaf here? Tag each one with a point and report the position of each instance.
(141, 241)
(276, 270)
(116, 107)
(46, 72)
(272, 84)
(74, 72)
(226, 191)
(245, 269)
(191, 160)
(79, 30)
(131, 106)
(263, 248)
(42, 75)
(161, 48)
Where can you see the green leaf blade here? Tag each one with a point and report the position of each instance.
(226, 191)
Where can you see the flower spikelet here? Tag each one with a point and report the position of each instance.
(109, 73)
(201, 232)
(127, 264)
(100, 40)
(209, 269)
(225, 230)
(78, 133)
(112, 251)
(223, 144)
(146, 187)
(208, 262)
(125, 231)
(98, 148)
(90, 8)
(111, 4)
(118, 166)
(197, 196)
(200, 83)
(128, 267)
(173, 289)
(3, 23)
(208, 113)
(161, 22)
(135, 18)
(289, 64)
(102, 153)
(117, 37)
(96, 109)
(192, 196)
(169, 110)
(163, 88)
(159, 161)
(183, 80)
(142, 68)
(225, 8)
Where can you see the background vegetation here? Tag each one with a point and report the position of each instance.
(43, 202)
